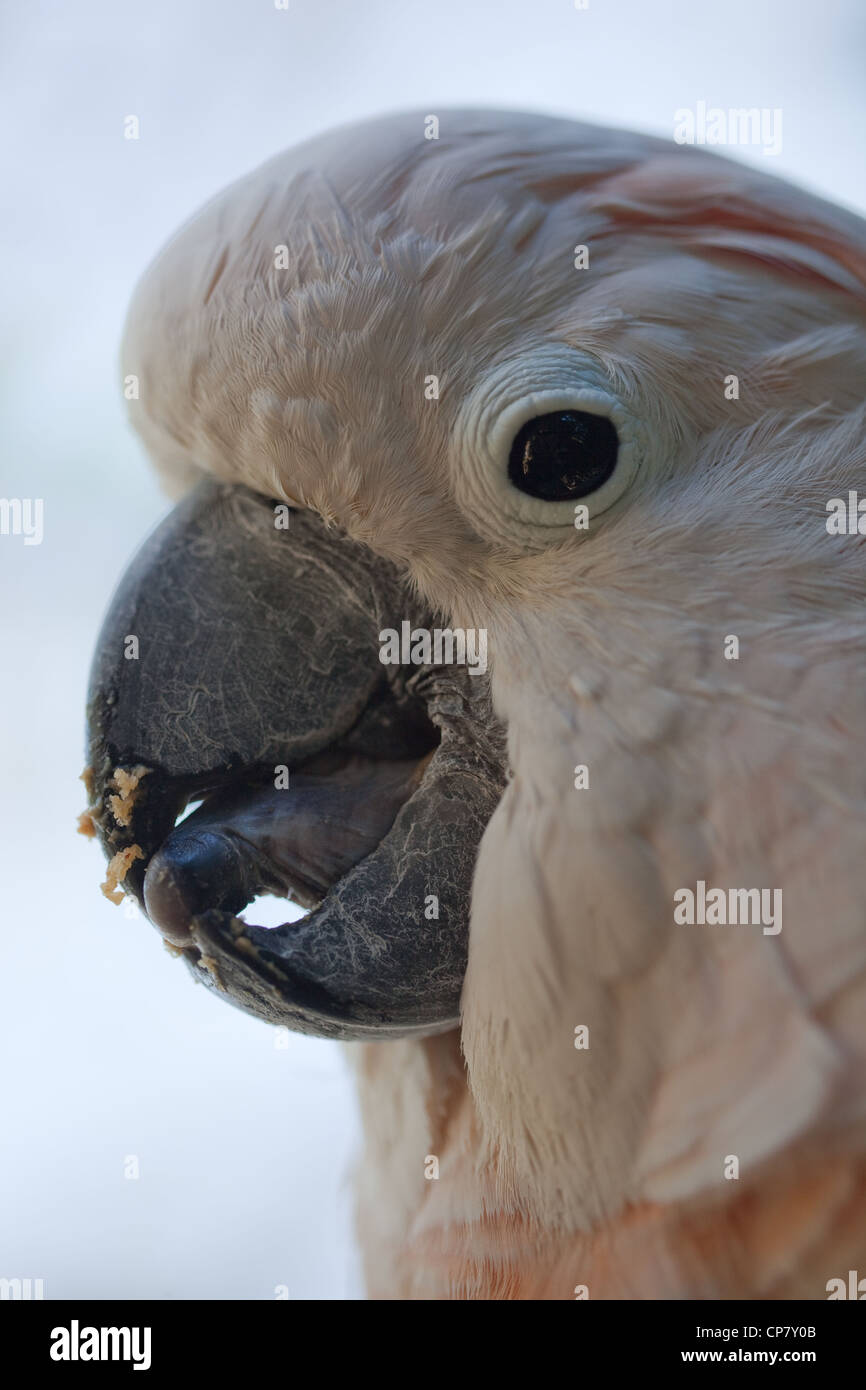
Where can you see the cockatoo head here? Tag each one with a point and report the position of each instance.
(552, 382)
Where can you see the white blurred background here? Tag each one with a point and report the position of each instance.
(108, 1048)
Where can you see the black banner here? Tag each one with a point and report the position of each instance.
(67, 1337)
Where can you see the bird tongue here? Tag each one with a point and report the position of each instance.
(293, 841)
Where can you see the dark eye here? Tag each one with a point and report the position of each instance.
(567, 454)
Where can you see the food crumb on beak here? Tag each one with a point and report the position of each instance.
(117, 870)
(211, 965)
(126, 780)
(120, 804)
(86, 821)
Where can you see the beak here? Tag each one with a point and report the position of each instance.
(239, 666)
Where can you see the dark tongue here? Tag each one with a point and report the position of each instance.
(295, 841)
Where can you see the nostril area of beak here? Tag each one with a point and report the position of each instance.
(189, 875)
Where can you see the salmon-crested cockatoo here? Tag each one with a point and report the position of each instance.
(592, 910)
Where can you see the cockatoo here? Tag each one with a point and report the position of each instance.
(593, 921)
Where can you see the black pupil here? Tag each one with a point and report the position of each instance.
(564, 455)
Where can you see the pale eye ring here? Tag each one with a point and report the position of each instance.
(543, 441)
